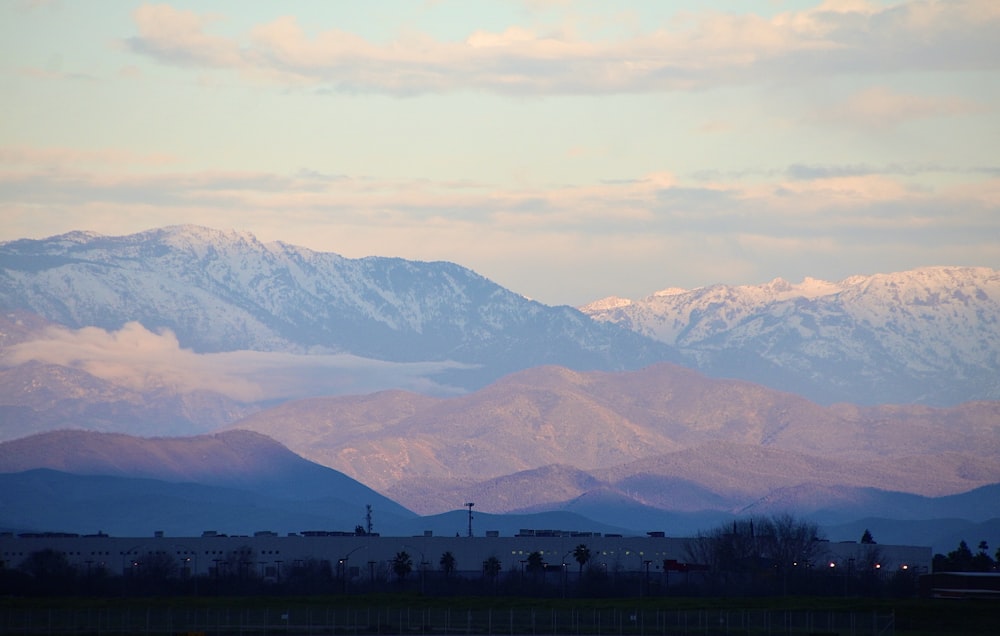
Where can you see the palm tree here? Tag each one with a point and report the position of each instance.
(582, 554)
(536, 563)
(491, 569)
(491, 566)
(447, 563)
(402, 565)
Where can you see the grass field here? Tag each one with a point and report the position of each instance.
(455, 615)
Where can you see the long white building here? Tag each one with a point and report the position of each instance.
(367, 558)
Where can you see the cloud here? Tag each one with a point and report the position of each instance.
(880, 108)
(141, 360)
(177, 35)
(690, 51)
(300, 206)
(577, 234)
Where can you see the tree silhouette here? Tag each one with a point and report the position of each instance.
(745, 554)
(867, 538)
(50, 571)
(491, 569)
(961, 557)
(448, 563)
(982, 562)
(582, 555)
(402, 565)
(536, 564)
(47, 564)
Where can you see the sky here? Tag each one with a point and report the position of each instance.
(567, 150)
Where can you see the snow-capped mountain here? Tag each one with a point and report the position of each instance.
(930, 335)
(227, 291)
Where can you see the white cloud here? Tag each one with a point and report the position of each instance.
(179, 35)
(690, 51)
(577, 235)
(139, 359)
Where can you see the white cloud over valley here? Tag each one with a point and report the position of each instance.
(141, 360)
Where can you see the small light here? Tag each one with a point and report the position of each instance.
(878, 566)
(832, 564)
(906, 567)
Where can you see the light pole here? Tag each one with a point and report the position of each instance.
(423, 564)
(193, 574)
(469, 506)
(342, 564)
(564, 575)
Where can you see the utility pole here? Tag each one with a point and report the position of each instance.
(469, 506)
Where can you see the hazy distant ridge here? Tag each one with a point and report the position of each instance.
(664, 436)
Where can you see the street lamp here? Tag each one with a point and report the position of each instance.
(342, 564)
(564, 574)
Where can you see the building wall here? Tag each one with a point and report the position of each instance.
(365, 556)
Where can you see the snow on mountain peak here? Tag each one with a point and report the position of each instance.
(188, 236)
(218, 290)
(928, 334)
(604, 304)
(670, 291)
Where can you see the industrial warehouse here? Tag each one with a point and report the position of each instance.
(360, 559)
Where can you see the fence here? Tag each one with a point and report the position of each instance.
(317, 620)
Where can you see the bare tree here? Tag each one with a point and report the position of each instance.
(738, 553)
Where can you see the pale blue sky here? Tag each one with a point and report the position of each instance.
(567, 150)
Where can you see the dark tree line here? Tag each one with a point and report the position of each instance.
(962, 559)
(761, 553)
(782, 555)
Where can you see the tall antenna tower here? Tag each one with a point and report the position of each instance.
(469, 506)
(368, 518)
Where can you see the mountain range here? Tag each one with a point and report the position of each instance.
(226, 291)
(926, 336)
(664, 437)
(240, 482)
(235, 482)
(930, 335)
(874, 397)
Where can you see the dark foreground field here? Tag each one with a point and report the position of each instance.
(406, 614)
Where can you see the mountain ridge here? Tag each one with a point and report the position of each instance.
(926, 335)
(664, 420)
(226, 291)
(99, 492)
(232, 459)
